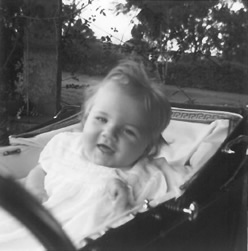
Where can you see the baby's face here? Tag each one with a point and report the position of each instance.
(115, 131)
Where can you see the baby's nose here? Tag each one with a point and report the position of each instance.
(110, 131)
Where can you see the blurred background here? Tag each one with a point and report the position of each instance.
(50, 50)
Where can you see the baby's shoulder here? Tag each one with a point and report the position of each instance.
(63, 141)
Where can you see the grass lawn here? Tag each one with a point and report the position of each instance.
(72, 89)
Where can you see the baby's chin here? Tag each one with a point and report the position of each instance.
(110, 164)
(107, 161)
(100, 161)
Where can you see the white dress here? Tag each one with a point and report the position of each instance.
(78, 191)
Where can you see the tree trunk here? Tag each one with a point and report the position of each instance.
(42, 71)
(4, 140)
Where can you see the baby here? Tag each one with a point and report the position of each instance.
(109, 164)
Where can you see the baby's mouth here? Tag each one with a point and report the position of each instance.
(105, 149)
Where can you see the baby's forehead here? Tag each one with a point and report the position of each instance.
(110, 88)
(139, 122)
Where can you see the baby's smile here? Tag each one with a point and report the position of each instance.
(105, 148)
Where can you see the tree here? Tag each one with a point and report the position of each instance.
(3, 107)
(77, 36)
(198, 33)
(233, 30)
(10, 53)
(198, 27)
(42, 71)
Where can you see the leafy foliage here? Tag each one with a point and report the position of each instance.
(207, 33)
(227, 77)
(77, 38)
(81, 51)
(198, 27)
(12, 31)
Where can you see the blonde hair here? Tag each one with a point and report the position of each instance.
(133, 79)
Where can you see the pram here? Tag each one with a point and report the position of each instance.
(206, 210)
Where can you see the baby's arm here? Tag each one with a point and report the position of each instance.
(35, 183)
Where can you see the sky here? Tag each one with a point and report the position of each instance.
(117, 26)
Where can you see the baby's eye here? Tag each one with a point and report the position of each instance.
(101, 119)
(130, 132)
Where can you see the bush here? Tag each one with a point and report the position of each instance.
(225, 77)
